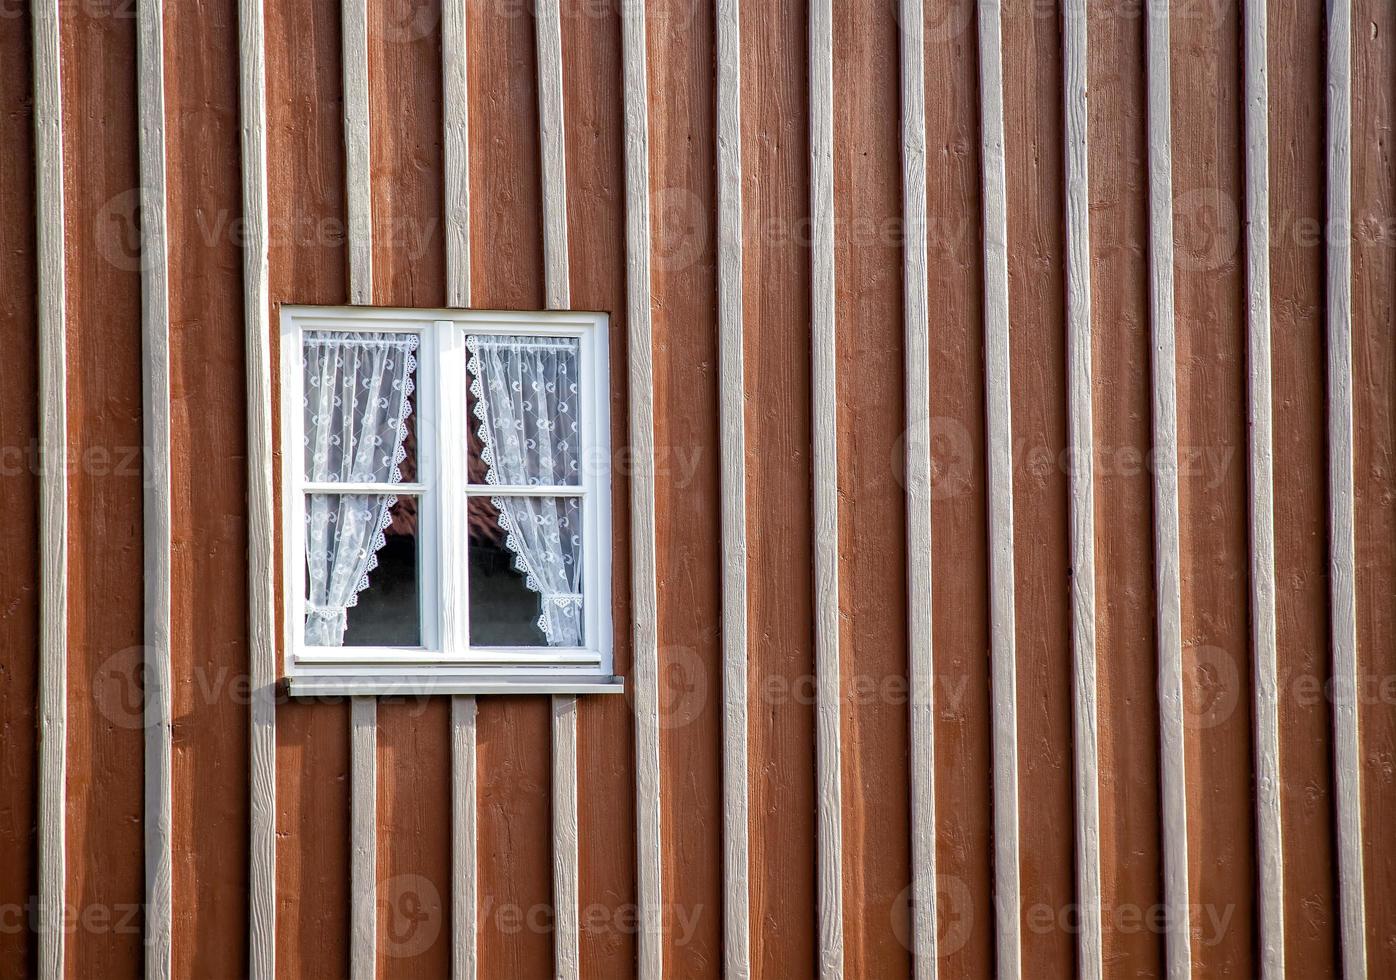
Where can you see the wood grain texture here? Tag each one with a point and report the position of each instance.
(1044, 459)
(1210, 300)
(209, 654)
(363, 722)
(1081, 507)
(506, 214)
(363, 822)
(363, 731)
(1297, 211)
(1269, 824)
(412, 857)
(552, 143)
(920, 598)
(357, 149)
(1167, 587)
(960, 554)
(1127, 662)
(1342, 533)
(825, 456)
(736, 796)
(19, 536)
(869, 331)
(105, 740)
(307, 264)
(455, 102)
(591, 50)
(464, 837)
(999, 421)
(53, 490)
(776, 317)
(648, 830)
(261, 530)
(688, 548)
(1374, 441)
(156, 512)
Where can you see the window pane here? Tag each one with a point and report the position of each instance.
(362, 571)
(359, 406)
(526, 571)
(525, 413)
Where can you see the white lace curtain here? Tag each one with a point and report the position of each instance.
(357, 399)
(525, 392)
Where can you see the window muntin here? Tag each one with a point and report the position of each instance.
(493, 503)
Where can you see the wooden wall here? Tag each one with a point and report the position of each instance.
(1154, 692)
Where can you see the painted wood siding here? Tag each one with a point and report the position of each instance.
(1004, 396)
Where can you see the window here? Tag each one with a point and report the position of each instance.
(446, 501)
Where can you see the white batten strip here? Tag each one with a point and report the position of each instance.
(920, 664)
(158, 535)
(736, 802)
(999, 411)
(363, 756)
(1173, 780)
(464, 813)
(1269, 844)
(824, 344)
(357, 162)
(1347, 747)
(363, 942)
(260, 515)
(1082, 475)
(456, 130)
(464, 837)
(53, 487)
(552, 141)
(645, 599)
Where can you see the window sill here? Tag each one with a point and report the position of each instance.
(419, 685)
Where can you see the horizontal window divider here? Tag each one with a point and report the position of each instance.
(518, 490)
(476, 656)
(408, 489)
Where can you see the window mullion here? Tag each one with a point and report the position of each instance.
(453, 430)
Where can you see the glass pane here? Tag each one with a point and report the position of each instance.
(526, 571)
(359, 406)
(362, 571)
(524, 411)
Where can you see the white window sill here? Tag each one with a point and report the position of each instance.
(374, 684)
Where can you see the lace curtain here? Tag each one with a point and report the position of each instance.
(525, 392)
(358, 388)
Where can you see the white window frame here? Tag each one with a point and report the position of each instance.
(446, 663)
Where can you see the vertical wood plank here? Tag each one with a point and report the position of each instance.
(464, 888)
(1269, 842)
(464, 821)
(260, 519)
(552, 142)
(1080, 391)
(1003, 646)
(155, 321)
(1166, 544)
(1342, 532)
(643, 560)
(824, 344)
(363, 754)
(359, 189)
(732, 414)
(53, 492)
(363, 941)
(920, 666)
